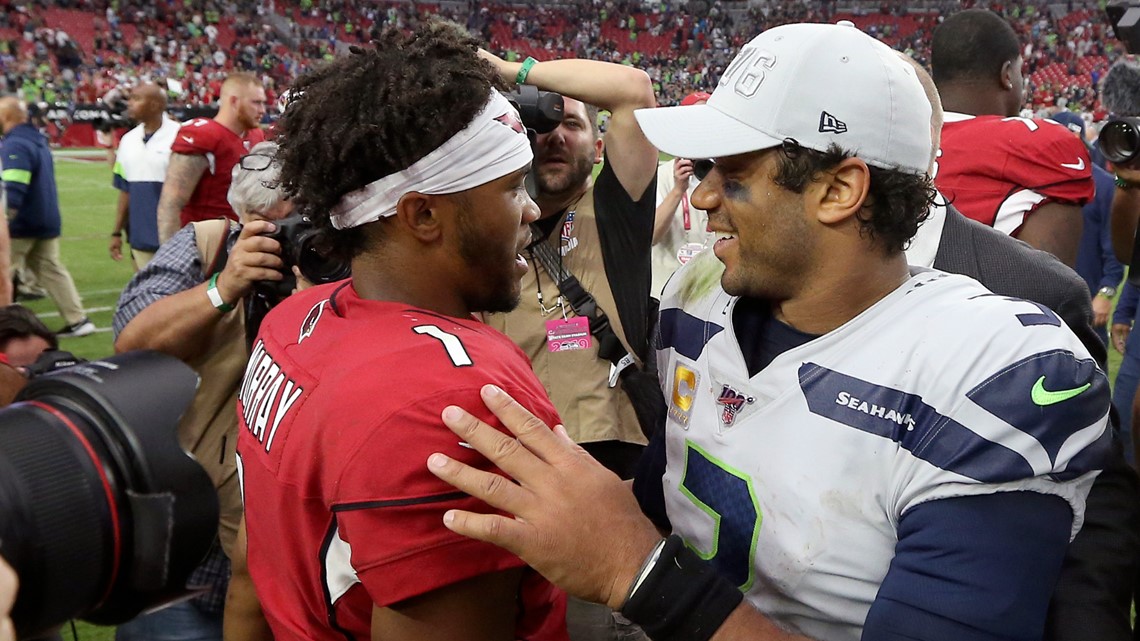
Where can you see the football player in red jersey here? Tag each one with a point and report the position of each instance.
(421, 184)
(1023, 176)
(204, 154)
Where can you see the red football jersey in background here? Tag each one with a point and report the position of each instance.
(999, 170)
(222, 148)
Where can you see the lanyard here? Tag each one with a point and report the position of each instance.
(685, 219)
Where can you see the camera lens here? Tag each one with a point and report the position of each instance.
(1120, 140)
(318, 268)
(102, 514)
(702, 167)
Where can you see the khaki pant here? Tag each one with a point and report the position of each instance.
(41, 256)
(141, 258)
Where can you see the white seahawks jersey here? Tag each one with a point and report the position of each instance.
(793, 482)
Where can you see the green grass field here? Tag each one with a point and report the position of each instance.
(88, 203)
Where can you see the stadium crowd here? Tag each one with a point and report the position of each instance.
(67, 51)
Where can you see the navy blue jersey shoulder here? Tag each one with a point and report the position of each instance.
(976, 568)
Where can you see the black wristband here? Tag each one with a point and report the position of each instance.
(683, 598)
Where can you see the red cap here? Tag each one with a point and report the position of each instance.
(695, 97)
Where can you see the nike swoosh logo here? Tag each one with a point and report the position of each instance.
(1044, 397)
(190, 141)
(1079, 165)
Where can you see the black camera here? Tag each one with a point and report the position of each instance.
(1120, 139)
(1124, 15)
(102, 514)
(111, 116)
(299, 246)
(702, 167)
(541, 111)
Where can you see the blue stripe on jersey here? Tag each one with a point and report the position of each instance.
(914, 425)
(686, 334)
(976, 568)
(1049, 396)
(144, 215)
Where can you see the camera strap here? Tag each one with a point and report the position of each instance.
(583, 303)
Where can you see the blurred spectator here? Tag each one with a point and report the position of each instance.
(204, 154)
(33, 213)
(680, 230)
(140, 168)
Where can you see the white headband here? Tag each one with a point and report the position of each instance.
(493, 145)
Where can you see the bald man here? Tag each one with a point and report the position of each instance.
(140, 168)
(33, 214)
(204, 154)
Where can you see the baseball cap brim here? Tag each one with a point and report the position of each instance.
(700, 131)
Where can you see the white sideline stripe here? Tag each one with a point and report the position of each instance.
(86, 310)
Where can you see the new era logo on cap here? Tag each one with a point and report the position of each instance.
(829, 124)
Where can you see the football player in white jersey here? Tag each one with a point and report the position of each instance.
(861, 450)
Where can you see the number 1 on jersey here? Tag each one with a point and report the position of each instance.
(451, 343)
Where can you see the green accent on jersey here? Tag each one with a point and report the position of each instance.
(1044, 397)
(19, 176)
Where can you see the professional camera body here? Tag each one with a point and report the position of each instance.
(541, 111)
(300, 246)
(102, 514)
(1120, 137)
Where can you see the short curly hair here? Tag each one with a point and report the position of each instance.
(371, 114)
(898, 201)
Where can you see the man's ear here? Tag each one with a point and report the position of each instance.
(842, 191)
(1005, 78)
(419, 215)
(599, 149)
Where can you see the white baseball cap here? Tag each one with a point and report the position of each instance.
(817, 84)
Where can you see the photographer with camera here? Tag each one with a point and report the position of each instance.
(585, 314)
(187, 302)
(680, 231)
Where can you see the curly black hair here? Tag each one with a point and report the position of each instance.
(371, 114)
(897, 201)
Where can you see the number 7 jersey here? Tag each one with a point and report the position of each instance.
(998, 171)
(793, 481)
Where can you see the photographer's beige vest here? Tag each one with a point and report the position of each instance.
(577, 381)
(208, 430)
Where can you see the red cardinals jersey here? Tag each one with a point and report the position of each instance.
(999, 170)
(339, 411)
(222, 148)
